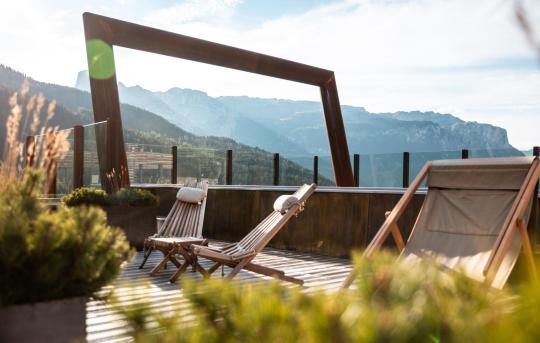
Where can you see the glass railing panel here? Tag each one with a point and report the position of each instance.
(95, 139)
(64, 169)
(252, 167)
(293, 173)
(201, 163)
(149, 163)
(381, 170)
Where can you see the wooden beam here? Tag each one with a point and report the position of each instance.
(102, 33)
(527, 249)
(396, 234)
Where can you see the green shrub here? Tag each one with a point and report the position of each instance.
(134, 197)
(86, 196)
(390, 302)
(48, 255)
(125, 196)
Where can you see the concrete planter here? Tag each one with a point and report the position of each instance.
(61, 320)
(137, 222)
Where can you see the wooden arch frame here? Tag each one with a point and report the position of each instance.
(102, 33)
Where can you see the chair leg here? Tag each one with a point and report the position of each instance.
(147, 252)
(237, 269)
(179, 272)
(214, 268)
(162, 263)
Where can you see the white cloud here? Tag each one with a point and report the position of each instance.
(207, 11)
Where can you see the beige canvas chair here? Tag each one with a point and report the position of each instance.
(240, 255)
(181, 228)
(473, 219)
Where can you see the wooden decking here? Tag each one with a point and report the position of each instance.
(104, 325)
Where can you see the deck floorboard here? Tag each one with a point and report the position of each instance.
(104, 324)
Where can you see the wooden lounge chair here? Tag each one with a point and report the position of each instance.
(473, 219)
(181, 228)
(239, 255)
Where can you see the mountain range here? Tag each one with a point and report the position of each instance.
(296, 128)
(256, 127)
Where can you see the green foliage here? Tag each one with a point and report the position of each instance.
(47, 255)
(134, 197)
(86, 196)
(125, 196)
(390, 302)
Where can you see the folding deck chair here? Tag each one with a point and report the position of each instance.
(473, 219)
(239, 255)
(181, 228)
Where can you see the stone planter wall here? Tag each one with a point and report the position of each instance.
(137, 222)
(60, 321)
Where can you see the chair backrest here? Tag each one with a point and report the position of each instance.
(186, 219)
(261, 235)
(468, 205)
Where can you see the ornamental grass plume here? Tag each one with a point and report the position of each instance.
(26, 112)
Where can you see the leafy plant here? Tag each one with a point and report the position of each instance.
(134, 197)
(390, 302)
(86, 196)
(48, 255)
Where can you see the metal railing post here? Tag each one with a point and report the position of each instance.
(356, 170)
(174, 169)
(406, 169)
(228, 168)
(276, 169)
(78, 156)
(315, 169)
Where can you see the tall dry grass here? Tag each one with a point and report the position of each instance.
(48, 146)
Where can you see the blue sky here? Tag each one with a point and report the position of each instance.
(469, 58)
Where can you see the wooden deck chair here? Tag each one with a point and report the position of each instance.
(473, 219)
(239, 255)
(182, 227)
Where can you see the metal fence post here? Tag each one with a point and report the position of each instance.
(228, 168)
(78, 156)
(276, 169)
(315, 169)
(174, 169)
(405, 169)
(356, 170)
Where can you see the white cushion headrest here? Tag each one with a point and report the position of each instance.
(284, 202)
(191, 195)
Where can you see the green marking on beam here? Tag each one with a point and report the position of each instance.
(100, 59)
